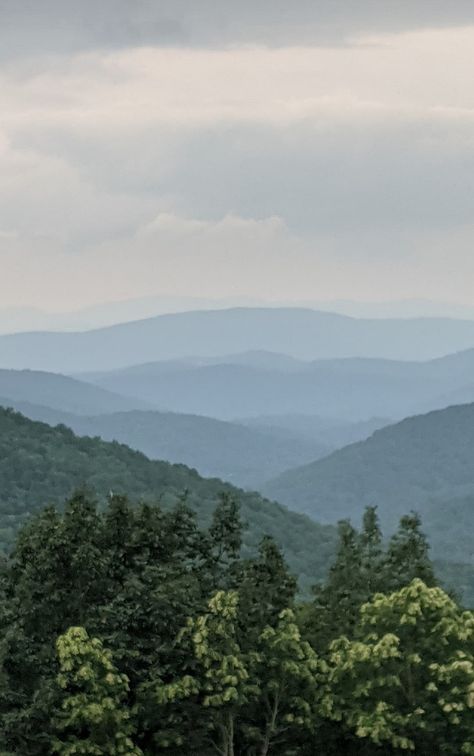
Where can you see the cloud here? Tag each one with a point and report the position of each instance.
(286, 172)
(326, 139)
(64, 26)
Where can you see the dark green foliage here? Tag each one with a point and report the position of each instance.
(40, 464)
(132, 577)
(362, 568)
(265, 587)
(407, 556)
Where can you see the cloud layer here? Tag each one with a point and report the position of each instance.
(29, 27)
(284, 169)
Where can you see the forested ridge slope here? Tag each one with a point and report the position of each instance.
(424, 463)
(244, 456)
(40, 465)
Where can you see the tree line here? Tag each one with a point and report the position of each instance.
(133, 630)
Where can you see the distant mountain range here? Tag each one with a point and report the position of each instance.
(301, 333)
(425, 463)
(262, 383)
(17, 319)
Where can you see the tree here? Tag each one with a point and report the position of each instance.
(225, 542)
(406, 680)
(131, 575)
(407, 556)
(265, 589)
(285, 670)
(371, 553)
(361, 569)
(221, 677)
(94, 719)
(335, 608)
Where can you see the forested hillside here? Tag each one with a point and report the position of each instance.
(423, 463)
(41, 465)
(240, 455)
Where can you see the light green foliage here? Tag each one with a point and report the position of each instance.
(266, 694)
(286, 668)
(94, 719)
(407, 677)
(222, 677)
(216, 648)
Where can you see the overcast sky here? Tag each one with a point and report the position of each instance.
(263, 150)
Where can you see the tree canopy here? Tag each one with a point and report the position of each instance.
(135, 630)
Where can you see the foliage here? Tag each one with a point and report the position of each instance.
(131, 576)
(94, 718)
(221, 677)
(406, 678)
(407, 556)
(287, 671)
(172, 642)
(271, 688)
(363, 567)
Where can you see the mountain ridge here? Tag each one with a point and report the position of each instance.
(422, 463)
(299, 332)
(246, 385)
(235, 453)
(43, 465)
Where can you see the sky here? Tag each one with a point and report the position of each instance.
(239, 151)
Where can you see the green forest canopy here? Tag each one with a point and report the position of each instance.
(133, 631)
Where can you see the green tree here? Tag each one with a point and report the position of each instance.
(361, 569)
(265, 589)
(407, 679)
(221, 676)
(335, 608)
(371, 553)
(285, 670)
(94, 719)
(407, 556)
(131, 575)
